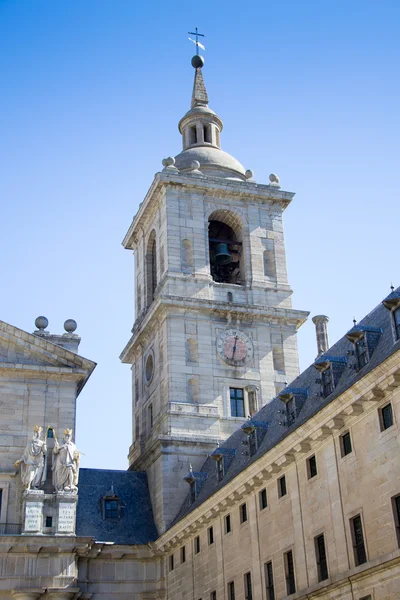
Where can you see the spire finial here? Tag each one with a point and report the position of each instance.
(198, 45)
(392, 287)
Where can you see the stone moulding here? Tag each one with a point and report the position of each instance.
(367, 391)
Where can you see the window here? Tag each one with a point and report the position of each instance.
(263, 499)
(193, 135)
(49, 521)
(360, 556)
(150, 416)
(396, 511)
(269, 581)
(252, 399)
(252, 437)
(278, 359)
(151, 268)
(197, 544)
(237, 402)
(312, 467)
(228, 527)
(290, 411)
(396, 320)
(369, 597)
(183, 554)
(327, 382)
(345, 444)
(289, 573)
(192, 491)
(320, 553)
(220, 469)
(171, 562)
(282, 491)
(213, 595)
(207, 133)
(111, 508)
(361, 353)
(386, 417)
(231, 590)
(248, 590)
(243, 512)
(210, 535)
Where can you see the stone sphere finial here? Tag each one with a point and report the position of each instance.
(195, 165)
(41, 323)
(249, 174)
(197, 61)
(274, 179)
(168, 162)
(70, 325)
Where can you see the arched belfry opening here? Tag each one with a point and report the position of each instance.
(151, 268)
(225, 245)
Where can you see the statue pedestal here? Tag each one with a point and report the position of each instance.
(66, 513)
(33, 501)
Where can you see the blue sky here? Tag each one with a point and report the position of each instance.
(91, 96)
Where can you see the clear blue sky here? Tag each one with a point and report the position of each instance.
(91, 94)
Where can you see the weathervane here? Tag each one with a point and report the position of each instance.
(196, 41)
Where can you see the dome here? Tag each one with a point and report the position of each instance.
(213, 161)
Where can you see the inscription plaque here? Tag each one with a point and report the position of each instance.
(33, 516)
(66, 517)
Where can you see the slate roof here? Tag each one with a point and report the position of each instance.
(380, 317)
(136, 524)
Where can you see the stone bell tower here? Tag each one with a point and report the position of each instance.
(215, 333)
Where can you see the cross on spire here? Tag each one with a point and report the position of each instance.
(197, 34)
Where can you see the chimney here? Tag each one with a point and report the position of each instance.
(321, 329)
(68, 340)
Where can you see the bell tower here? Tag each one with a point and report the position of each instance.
(215, 333)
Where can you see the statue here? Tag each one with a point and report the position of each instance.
(33, 462)
(66, 464)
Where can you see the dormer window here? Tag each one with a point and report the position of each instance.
(220, 469)
(396, 321)
(223, 458)
(255, 431)
(327, 382)
(294, 399)
(361, 353)
(365, 340)
(111, 508)
(392, 303)
(331, 369)
(196, 481)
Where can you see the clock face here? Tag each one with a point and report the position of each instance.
(234, 347)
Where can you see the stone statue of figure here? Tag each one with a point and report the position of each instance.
(66, 464)
(33, 462)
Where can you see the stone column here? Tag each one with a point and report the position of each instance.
(27, 593)
(33, 501)
(66, 513)
(321, 330)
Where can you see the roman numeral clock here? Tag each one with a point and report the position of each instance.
(234, 347)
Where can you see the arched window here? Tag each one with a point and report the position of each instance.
(225, 245)
(269, 264)
(193, 390)
(191, 350)
(187, 256)
(151, 268)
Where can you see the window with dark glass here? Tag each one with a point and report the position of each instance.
(49, 521)
(289, 573)
(396, 320)
(197, 544)
(192, 491)
(290, 411)
(282, 491)
(237, 402)
(386, 414)
(252, 442)
(220, 468)
(210, 535)
(361, 353)
(312, 467)
(396, 511)
(183, 554)
(228, 528)
(345, 444)
(320, 552)
(269, 581)
(231, 590)
(213, 595)
(263, 499)
(111, 508)
(243, 512)
(248, 590)
(150, 411)
(360, 555)
(171, 562)
(327, 382)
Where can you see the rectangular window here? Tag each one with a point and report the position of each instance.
(289, 573)
(320, 553)
(252, 437)
(197, 544)
(49, 521)
(327, 382)
(396, 512)
(263, 499)
(269, 581)
(282, 491)
(171, 562)
(360, 555)
(111, 508)
(248, 590)
(231, 590)
(213, 595)
(237, 402)
(311, 467)
(220, 469)
(183, 554)
(369, 597)
(228, 528)
(243, 512)
(345, 444)
(290, 411)
(396, 319)
(150, 416)
(192, 491)
(210, 535)
(361, 353)
(386, 417)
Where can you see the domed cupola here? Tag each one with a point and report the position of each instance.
(201, 128)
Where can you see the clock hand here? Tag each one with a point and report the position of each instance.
(234, 347)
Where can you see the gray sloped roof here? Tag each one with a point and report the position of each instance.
(380, 317)
(136, 524)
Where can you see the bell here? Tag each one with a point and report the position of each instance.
(222, 255)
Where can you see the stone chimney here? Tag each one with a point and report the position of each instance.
(321, 329)
(68, 340)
